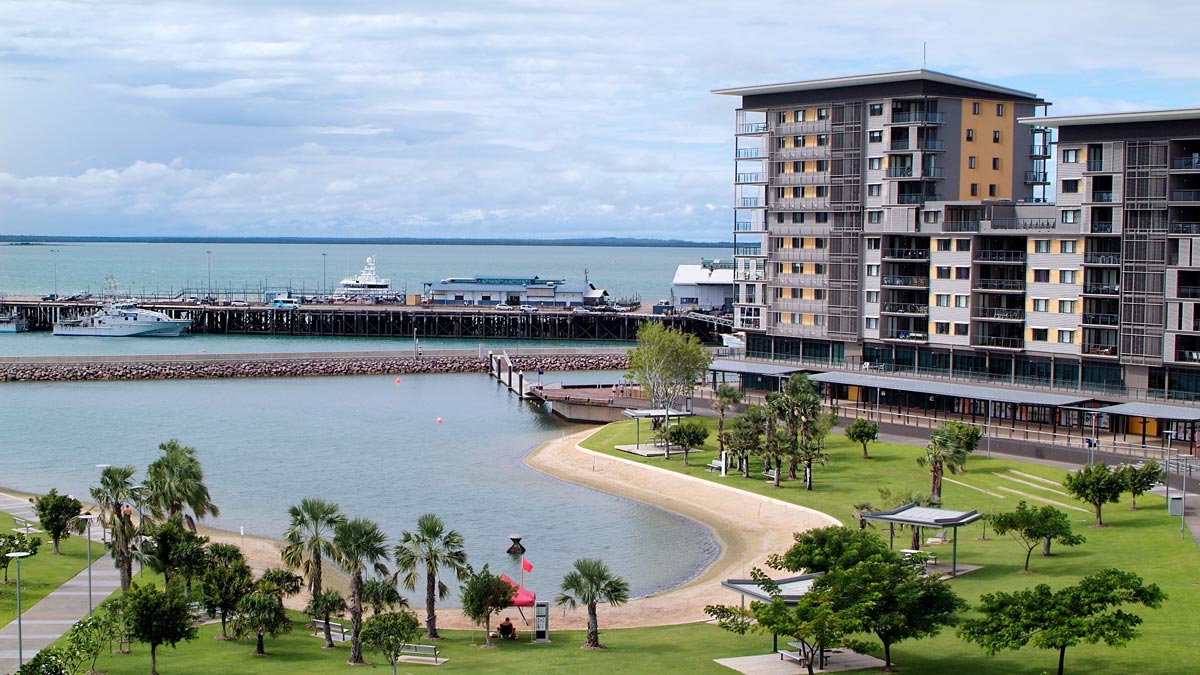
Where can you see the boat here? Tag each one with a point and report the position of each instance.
(12, 323)
(734, 341)
(122, 318)
(365, 283)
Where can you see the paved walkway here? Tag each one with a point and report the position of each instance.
(53, 615)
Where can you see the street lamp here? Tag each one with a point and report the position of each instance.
(17, 555)
(54, 256)
(89, 517)
(209, 271)
(324, 277)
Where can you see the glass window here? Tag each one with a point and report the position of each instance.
(873, 243)
(798, 217)
(961, 328)
(874, 216)
(822, 139)
(996, 136)
(995, 163)
(1066, 246)
(942, 327)
(975, 108)
(1039, 334)
(931, 216)
(974, 189)
(822, 165)
(875, 136)
(874, 190)
(1071, 216)
(822, 217)
(1070, 186)
(943, 299)
(1066, 306)
(782, 117)
(872, 323)
(875, 163)
(943, 273)
(962, 272)
(1041, 276)
(1041, 245)
(943, 244)
(999, 110)
(822, 113)
(962, 301)
(970, 134)
(875, 109)
(962, 245)
(971, 162)
(872, 270)
(872, 296)
(1041, 305)
(991, 189)
(1066, 336)
(1066, 276)
(1070, 156)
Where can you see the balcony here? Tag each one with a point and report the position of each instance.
(960, 226)
(1185, 228)
(800, 128)
(1094, 288)
(751, 153)
(1037, 178)
(931, 145)
(1099, 349)
(1091, 319)
(899, 144)
(998, 342)
(1187, 357)
(910, 336)
(748, 226)
(802, 203)
(905, 308)
(747, 250)
(800, 255)
(753, 128)
(906, 254)
(918, 118)
(1008, 285)
(1105, 197)
(1102, 227)
(933, 172)
(998, 313)
(1192, 162)
(1001, 256)
(1098, 258)
(750, 178)
(749, 275)
(910, 199)
(808, 152)
(906, 282)
(900, 172)
(1095, 165)
(1039, 151)
(1024, 224)
(1188, 292)
(1185, 195)
(801, 178)
(750, 201)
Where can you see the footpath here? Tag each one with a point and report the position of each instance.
(53, 615)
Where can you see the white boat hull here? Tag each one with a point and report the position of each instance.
(13, 326)
(124, 324)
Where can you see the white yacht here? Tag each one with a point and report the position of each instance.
(13, 323)
(366, 282)
(123, 319)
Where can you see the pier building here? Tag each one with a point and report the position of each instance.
(512, 291)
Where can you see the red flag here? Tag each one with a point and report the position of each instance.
(526, 565)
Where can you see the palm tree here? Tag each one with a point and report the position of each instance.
(745, 437)
(727, 397)
(429, 549)
(381, 596)
(114, 495)
(591, 583)
(175, 482)
(310, 538)
(361, 545)
(324, 604)
(797, 405)
(943, 452)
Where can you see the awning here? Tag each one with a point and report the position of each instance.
(790, 589)
(1002, 394)
(925, 516)
(524, 596)
(750, 368)
(1159, 411)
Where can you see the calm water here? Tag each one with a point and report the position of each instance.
(370, 444)
(166, 268)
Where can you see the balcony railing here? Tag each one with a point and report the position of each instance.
(933, 172)
(1102, 227)
(801, 178)
(751, 153)
(915, 336)
(1095, 165)
(1186, 163)
(751, 177)
(985, 255)
(1039, 151)
(899, 172)
(911, 282)
(808, 127)
(753, 128)
(1185, 228)
(1185, 195)
(998, 313)
(1102, 196)
(907, 253)
(748, 226)
(905, 308)
(1024, 224)
(918, 117)
(1188, 292)
(749, 275)
(1101, 319)
(802, 203)
(808, 152)
(1093, 288)
(1095, 349)
(1037, 177)
(999, 285)
(910, 199)
(1187, 357)
(899, 144)
(1098, 258)
(750, 201)
(999, 342)
(960, 226)
(931, 145)
(747, 250)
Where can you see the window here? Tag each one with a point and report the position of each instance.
(798, 217)
(941, 327)
(822, 165)
(818, 319)
(823, 139)
(818, 268)
(963, 245)
(797, 167)
(1066, 276)
(962, 272)
(943, 244)
(822, 190)
(822, 217)
(1041, 245)
(797, 192)
(819, 242)
(962, 301)
(996, 136)
(1041, 305)
(999, 110)
(943, 273)
(1066, 306)
(931, 217)
(971, 161)
(872, 270)
(974, 189)
(970, 134)
(873, 243)
(872, 296)
(1039, 334)
(875, 109)
(875, 136)
(991, 189)
(781, 117)
(799, 141)
(1070, 156)
(798, 116)
(818, 294)
(1041, 276)
(1071, 216)
(1066, 336)
(995, 164)
(975, 108)
(961, 328)
(1066, 246)
(872, 323)
(943, 299)
(1070, 186)
(874, 216)
(874, 190)
(822, 113)
(875, 163)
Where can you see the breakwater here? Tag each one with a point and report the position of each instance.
(176, 367)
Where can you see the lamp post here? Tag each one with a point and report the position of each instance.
(17, 555)
(324, 276)
(209, 253)
(54, 257)
(89, 517)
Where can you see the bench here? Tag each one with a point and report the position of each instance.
(26, 526)
(336, 630)
(421, 650)
(714, 465)
(794, 656)
(769, 473)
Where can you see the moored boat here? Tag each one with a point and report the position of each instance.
(12, 323)
(365, 283)
(123, 319)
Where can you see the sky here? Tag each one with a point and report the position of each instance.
(556, 118)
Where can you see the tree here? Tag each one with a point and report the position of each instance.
(828, 548)
(667, 363)
(811, 450)
(91, 635)
(51, 661)
(175, 483)
(429, 549)
(943, 453)
(260, 613)
(56, 512)
(158, 617)
(227, 580)
(727, 397)
(484, 594)
(590, 583)
(324, 605)
(381, 595)
(115, 495)
(15, 543)
(170, 550)
(688, 435)
(287, 583)
(1139, 480)
(391, 632)
(966, 439)
(863, 431)
(361, 546)
(1030, 526)
(1091, 611)
(745, 437)
(1095, 484)
(309, 540)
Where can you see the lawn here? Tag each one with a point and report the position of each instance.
(43, 572)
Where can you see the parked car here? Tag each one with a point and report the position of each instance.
(581, 310)
(606, 309)
(528, 308)
(503, 307)
(239, 303)
(51, 296)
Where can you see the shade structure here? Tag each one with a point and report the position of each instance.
(524, 596)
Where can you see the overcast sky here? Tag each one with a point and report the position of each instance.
(538, 118)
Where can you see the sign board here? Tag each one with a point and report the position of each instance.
(541, 622)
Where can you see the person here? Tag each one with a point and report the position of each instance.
(507, 630)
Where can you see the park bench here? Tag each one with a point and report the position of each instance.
(770, 474)
(714, 465)
(336, 630)
(26, 526)
(421, 650)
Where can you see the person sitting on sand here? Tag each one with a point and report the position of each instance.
(507, 630)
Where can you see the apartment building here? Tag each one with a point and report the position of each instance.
(901, 220)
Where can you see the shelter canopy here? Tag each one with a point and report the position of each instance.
(751, 368)
(790, 589)
(999, 394)
(1158, 411)
(924, 516)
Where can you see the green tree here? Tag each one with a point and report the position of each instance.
(15, 543)
(1091, 611)
(116, 494)
(324, 605)
(484, 594)
(589, 584)
(1139, 480)
(727, 397)
(361, 546)
(830, 548)
(428, 550)
(175, 484)
(227, 580)
(688, 435)
(1095, 484)
(863, 431)
(171, 550)
(667, 363)
(810, 449)
(1031, 526)
(56, 513)
(745, 437)
(390, 633)
(51, 660)
(158, 617)
(91, 636)
(966, 438)
(309, 540)
(284, 580)
(942, 454)
(260, 613)
(381, 595)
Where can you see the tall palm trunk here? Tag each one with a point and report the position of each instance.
(328, 633)
(316, 571)
(593, 628)
(935, 479)
(356, 584)
(430, 616)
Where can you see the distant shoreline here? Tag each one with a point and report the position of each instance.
(32, 240)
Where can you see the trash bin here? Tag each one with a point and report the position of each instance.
(1175, 506)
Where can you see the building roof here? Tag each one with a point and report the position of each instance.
(1158, 411)
(995, 393)
(750, 368)
(924, 516)
(1056, 122)
(790, 589)
(700, 275)
(875, 79)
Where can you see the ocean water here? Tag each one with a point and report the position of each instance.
(374, 445)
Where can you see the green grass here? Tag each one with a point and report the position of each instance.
(44, 572)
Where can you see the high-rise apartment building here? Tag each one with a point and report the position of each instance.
(901, 220)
